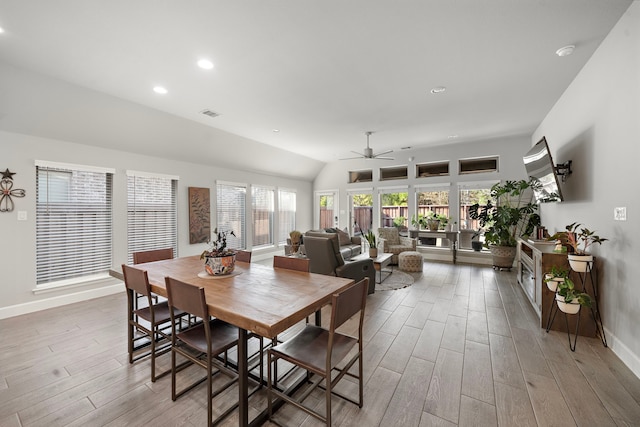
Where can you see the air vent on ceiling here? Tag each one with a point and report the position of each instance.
(210, 113)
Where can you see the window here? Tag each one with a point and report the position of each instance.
(436, 200)
(286, 214)
(327, 214)
(470, 195)
(361, 176)
(262, 200)
(394, 209)
(231, 201)
(361, 212)
(152, 215)
(486, 164)
(395, 172)
(73, 222)
(432, 169)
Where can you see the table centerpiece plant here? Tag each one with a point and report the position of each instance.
(219, 260)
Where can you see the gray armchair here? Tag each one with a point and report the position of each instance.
(325, 258)
(391, 242)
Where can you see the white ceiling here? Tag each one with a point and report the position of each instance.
(323, 72)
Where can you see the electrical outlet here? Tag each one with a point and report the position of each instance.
(620, 214)
(22, 215)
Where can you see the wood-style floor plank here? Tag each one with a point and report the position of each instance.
(461, 346)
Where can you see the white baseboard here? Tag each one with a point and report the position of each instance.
(57, 301)
(629, 358)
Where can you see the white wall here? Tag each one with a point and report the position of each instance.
(18, 251)
(334, 176)
(596, 123)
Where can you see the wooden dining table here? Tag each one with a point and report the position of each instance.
(255, 298)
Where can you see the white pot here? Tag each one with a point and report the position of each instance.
(580, 263)
(553, 283)
(569, 308)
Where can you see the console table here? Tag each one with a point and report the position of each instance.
(451, 235)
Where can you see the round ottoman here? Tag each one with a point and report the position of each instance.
(410, 261)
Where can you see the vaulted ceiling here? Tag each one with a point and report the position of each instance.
(321, 73)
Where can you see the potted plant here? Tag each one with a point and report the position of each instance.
(433, 223)
(444, 220)
(419, 222)
(555, 276)
(476, 244)
(296, 238)
(219, 259)
(568, 299)
(370, 237)
(513, 216)
(580, 239)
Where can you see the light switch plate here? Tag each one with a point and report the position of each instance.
(620, 214)
(22, 215)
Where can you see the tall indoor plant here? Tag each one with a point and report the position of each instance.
(513, 215)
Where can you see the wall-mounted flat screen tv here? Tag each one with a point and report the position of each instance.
(539, 165)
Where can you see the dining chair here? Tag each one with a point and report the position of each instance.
(291, 263)
(319, 351)
(152, 323)
(200, 344)
(153, 255)
(243, 256)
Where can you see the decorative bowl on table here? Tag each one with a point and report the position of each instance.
(220, 265)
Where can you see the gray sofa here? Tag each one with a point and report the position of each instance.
(349, 246)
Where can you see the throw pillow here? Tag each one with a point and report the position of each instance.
(343, 237)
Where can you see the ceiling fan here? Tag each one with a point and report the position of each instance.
(368, 152)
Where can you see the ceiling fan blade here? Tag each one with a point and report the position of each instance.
(383, 153)
(358, 153)
(352, 158)
(385, 158)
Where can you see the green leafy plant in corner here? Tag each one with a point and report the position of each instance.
(512, 216)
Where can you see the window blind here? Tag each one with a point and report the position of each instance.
(73, 222)
(286, 214)
(230, 211)
(152, 216)
(262, 199)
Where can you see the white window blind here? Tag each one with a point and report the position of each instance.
(230, 208)
(286, 213)
(152, 216)
(73, 222)
(262, 199)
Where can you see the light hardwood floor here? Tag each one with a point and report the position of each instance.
(458, 347)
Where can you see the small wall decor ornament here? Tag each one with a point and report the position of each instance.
(7, 191)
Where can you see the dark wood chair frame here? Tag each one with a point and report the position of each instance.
(154, 337)
(319, 351)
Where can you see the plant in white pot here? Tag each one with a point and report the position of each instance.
(512, 216)
(556, 276)
(219, 259)
(370, 237)
(569, 300)
(580, 239)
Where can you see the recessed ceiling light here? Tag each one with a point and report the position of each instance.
(1, 30)
(452, 136)
(160, 90)
(275, 130)
(438, 89)
(205, 64)
(566, 50)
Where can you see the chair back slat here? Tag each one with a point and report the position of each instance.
(186, 297)
(348, 302)
(154, 255)
(243, 256)
(136, 280)
(290, 263)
